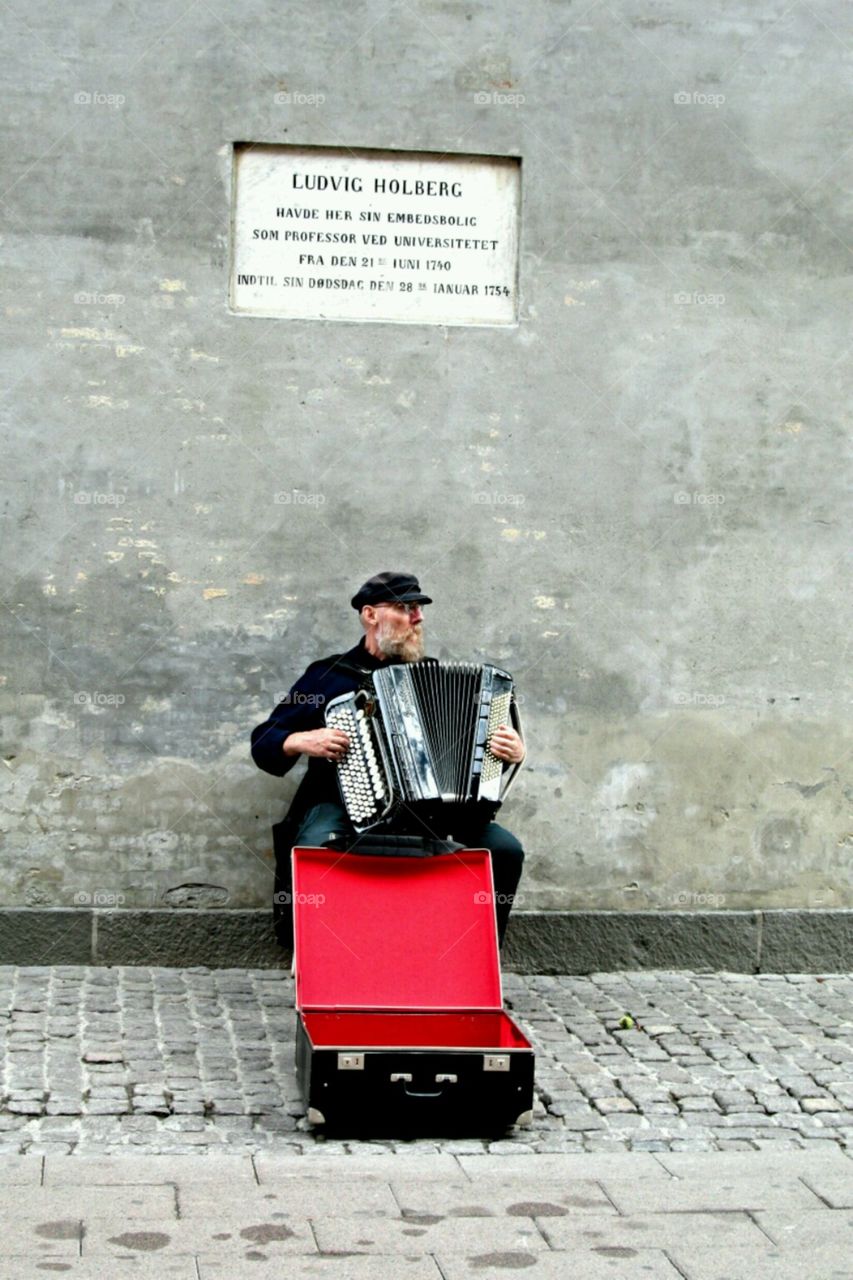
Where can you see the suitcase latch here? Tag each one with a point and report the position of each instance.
(496, 1062)
(405, 1076)
(350, 1062)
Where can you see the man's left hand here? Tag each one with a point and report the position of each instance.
(506, 744)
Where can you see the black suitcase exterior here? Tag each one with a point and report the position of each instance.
(401, 1027)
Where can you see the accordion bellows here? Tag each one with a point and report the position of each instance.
(419, 737)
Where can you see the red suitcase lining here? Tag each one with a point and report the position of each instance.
(483, 1031)
(395, 933)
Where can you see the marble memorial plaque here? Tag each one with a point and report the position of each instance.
(332, 234)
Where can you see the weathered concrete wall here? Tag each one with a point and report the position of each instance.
(634, 499)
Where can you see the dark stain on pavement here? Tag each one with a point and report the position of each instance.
(62, 1230)
(536, 1209)
(266, 1232)
(512, 1261)
(615, 1251)
(53, 1266)
(471, 1211)
(424, 1219)
(147, 1241)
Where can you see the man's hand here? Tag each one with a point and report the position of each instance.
(331, 744)
(506, 744)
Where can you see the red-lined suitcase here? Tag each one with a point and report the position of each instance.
(400, 1019)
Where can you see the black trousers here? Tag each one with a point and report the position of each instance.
(327, 820)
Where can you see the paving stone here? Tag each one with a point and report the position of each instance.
(317, 1163)
(374, 1267)
(522, 1196)
(290, 1197)
(605, 1263)
(20, 1170)
(826, 1262)
(776, 1190)
(834, 1187)
(704, 1230)
(232, 1170)
(456, 1235)
(807, 1230)
(48, 1235)
(76, 1201)
(110, 1236)
(27, 1267)
(489, 1170)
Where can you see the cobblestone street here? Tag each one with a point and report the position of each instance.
(98, 1060)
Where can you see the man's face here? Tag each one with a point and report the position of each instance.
(399, 631)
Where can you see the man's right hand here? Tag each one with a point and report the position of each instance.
(330, 744)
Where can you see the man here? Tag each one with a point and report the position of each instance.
(390, 606)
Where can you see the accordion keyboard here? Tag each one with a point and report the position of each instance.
(360, 773)
(498, 714)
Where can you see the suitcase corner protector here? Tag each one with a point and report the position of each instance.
(525, 1120)
(315, 1116)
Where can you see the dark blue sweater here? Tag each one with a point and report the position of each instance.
(303, 709)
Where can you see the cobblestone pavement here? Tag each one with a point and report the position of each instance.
(99, 1060)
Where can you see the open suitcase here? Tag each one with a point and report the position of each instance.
(400, 1021)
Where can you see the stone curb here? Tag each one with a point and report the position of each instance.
(567, 942)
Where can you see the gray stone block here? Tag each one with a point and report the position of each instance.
(188, 937)
(45, 936)
(806, 941)
(537, 942)
(590, 941)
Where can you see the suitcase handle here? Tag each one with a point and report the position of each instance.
(419, 1093)
(405, 1080)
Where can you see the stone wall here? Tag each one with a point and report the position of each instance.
(633, 499)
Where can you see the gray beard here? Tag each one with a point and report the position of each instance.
(409, 647)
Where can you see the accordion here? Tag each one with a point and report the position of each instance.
(419, 742)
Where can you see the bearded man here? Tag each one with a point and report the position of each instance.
(390, 606)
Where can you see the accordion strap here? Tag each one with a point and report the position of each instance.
(399, 846)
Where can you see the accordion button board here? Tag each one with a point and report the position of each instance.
(419, 734)
(361, 774)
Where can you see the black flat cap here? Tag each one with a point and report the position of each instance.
(387, 588)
